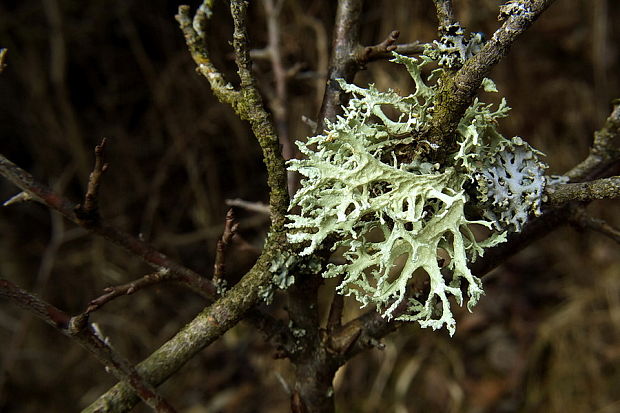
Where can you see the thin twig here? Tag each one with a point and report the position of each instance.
(387, 46)
(582, 219)
(407, 49)
(127, 289)
(88, 211)
(146, 252)
(230, 228)
(79, 330)
(249, 205)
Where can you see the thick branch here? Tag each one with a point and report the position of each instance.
(79, 330)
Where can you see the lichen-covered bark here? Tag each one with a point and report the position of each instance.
(459, 90)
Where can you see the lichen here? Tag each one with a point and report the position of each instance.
(454, 47)
(515, 8)
(396, 216)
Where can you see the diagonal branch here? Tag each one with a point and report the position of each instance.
(79, 330)
(459, 90)
(137, 247)
(127, 289)
(204, 329)
(234, 305)
(604, 151)
(582, 219)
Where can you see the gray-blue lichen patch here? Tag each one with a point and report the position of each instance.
(402, 218)
(454, 47)
(515, 8)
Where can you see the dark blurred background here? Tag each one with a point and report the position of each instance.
(545, 338)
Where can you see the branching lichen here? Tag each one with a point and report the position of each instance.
(396, 216)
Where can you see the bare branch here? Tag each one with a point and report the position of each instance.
(128, 289)
(230, 228)
(606, 188)
(204, 329)
(250, 206)
(342, 64)
(88, 212)
(146, 252)
(386, 47)
(407, 49)
(79, 330)
(246, 101)
(582, 219)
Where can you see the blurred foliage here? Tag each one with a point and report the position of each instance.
(544, 338)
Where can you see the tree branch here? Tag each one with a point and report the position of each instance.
(583, 220)
(137, 247)
(88, 211)
(604, 149)
(445, 15)
(342, 64)
(204, 329)
(606, 188)
(246, 101)
(79, 330)
(458, 91)
(215, 320)
(127, 289)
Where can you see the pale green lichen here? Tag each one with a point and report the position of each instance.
(396, 217)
